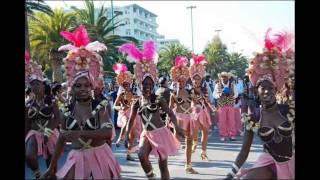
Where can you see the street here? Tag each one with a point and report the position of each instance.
(221, 155)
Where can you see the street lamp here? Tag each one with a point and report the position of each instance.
(112, 17)
(191, 7)
(233, 44)
(217, 31)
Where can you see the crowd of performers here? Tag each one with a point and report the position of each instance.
(158, 119)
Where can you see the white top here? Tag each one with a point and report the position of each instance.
(225, 85)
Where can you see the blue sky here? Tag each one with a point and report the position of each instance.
(243, 22)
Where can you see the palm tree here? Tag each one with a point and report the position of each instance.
(168, 54)
(31, 6)
(45, 37)
(100, 28)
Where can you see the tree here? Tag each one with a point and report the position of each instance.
(46, 39)
(217, 57)
(168, 54)
(30, 7)
(100, 29)
(238, 63)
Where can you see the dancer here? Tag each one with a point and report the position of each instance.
(41, 118)
(86, 123)
(180, 103)
(123, 104)
(155, 138)
(200, 103)
(226, 94)
(275, 123)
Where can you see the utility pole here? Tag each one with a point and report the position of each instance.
(191, 7)
(217, 31)
(233, 45)
(112, 17)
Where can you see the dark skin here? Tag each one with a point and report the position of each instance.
(196, 81)
(183, 94)
(38, 89)
(82, 91)
(266, 93)
(145, 149)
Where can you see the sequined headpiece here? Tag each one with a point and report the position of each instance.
(82, 59)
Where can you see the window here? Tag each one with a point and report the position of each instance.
(134, 10)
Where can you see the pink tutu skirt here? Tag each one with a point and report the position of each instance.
(42, 149)
(202, 117)
(162, 141)
(186, 122)
(97, 161)
(284, 170)
(237, 117)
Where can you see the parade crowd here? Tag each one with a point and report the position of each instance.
(155, 114)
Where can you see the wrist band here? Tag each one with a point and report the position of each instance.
(234, 170)
(107, 125)
(48, 132)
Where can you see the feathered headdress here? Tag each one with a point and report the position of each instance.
(145, 60)
(82, 59)
(180, 70)
(32, 70)
(273, 63)
(123, 75)
(197, 66)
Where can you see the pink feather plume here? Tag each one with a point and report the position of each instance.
(198, 59)
(27, 56)
(149, 50)
(79, 37)
(118, 68)
(181, 61)
(131, 50)
(268, 41)
(283, 41)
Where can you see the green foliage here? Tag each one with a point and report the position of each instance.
(219, 59)
(168, 54)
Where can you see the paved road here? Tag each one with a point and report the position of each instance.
(221, 154)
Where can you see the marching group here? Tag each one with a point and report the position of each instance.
(158, 113)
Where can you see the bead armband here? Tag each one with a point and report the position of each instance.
(249, 122)
(48, 132)
(234, 170)
(107, 125)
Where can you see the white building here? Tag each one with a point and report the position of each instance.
(139, 22)
(162, 42)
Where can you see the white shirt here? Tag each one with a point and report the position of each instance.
(225, 85)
